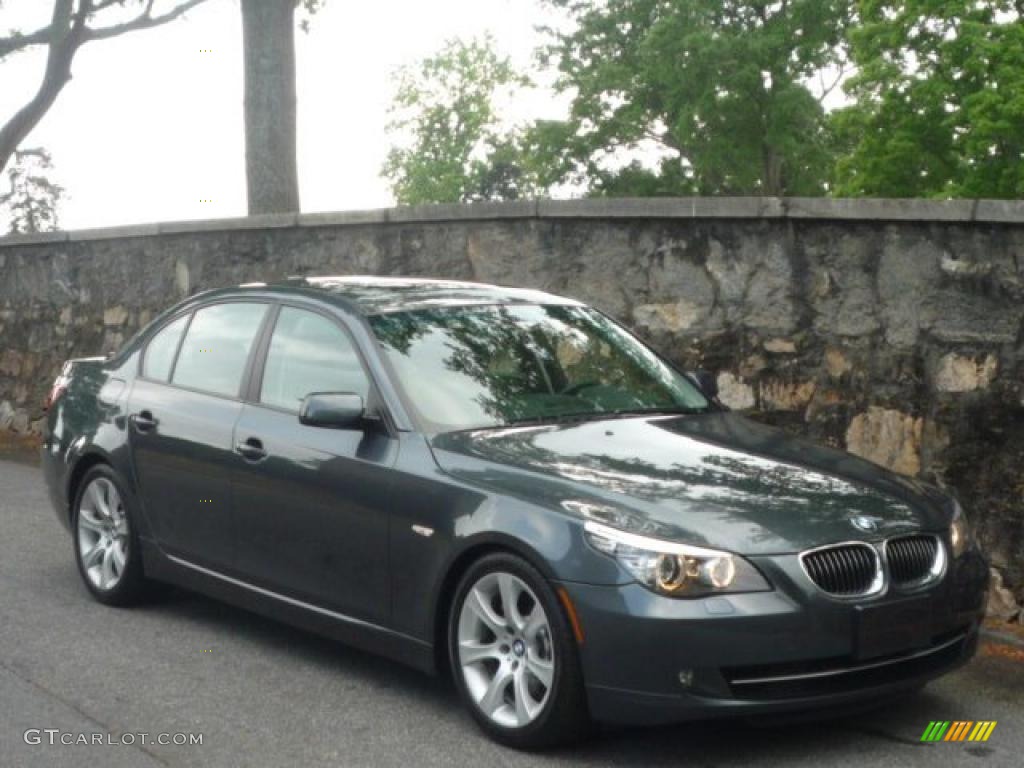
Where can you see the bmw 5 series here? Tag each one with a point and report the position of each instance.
(509, 488)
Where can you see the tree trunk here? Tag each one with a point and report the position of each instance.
(65, 38)
(268, 39)
(772, 183)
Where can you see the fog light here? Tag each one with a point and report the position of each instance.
(686, 677)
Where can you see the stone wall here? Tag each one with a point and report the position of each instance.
(892, 328)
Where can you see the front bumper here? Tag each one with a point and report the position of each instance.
(652, 659)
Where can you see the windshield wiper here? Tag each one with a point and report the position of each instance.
(677, 410)
(556, 418)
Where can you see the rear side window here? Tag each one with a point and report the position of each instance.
(160, 352)
(309, 353)
(217, 346)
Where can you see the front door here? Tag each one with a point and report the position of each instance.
(310, 503)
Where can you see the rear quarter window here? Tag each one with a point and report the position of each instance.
(160, 352)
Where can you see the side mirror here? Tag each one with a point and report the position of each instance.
(341, 410)
(707, 382)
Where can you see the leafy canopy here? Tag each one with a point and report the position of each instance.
(718, 90)
(451, 144)
(678, 97)
(939, 101)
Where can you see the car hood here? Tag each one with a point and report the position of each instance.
(715, 479)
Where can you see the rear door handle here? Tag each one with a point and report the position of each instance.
(144, 421)
(252, 449)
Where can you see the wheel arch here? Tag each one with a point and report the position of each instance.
(472, 551)
(86, 461)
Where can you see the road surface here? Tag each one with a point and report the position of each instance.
(263, 694)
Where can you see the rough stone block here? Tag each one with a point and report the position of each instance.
(957, 373)
(786, 395)
(10, 362)
(780, 346)
(887, 437)
(735, 392)
(672, 317)
(1001, 602)
(116, 315)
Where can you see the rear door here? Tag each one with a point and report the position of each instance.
(311, 503)
(183, 410)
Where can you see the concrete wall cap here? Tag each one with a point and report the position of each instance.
(798, 208)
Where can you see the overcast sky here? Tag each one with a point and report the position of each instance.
(150, 125)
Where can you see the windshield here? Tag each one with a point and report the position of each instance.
(489, 366)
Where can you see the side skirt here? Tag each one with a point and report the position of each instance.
(360, 634)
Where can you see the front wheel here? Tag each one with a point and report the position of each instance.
(514, 656)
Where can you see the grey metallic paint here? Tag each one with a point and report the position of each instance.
(349, 562)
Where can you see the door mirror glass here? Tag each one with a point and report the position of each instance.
(708, 383)
(341, 410)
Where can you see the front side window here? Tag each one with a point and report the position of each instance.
(473, 367)
(160, 352)
(309, 353)
(216, 347)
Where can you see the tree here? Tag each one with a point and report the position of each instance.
(450, 143)
(714, 94)
(73, 24)
(32, 201)
(268, 44)
(939, 101)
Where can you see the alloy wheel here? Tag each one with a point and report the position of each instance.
(102, 534)
(505, 650)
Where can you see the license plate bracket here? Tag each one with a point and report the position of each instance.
(889, 628)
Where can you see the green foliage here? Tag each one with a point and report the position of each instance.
(709, 97)
(31, 203)
(451, 146)
(718, 87)
(939, 101)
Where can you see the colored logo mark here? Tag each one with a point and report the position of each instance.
(958, 730)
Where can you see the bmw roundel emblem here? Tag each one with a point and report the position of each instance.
(864, 523)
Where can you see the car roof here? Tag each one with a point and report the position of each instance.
(377, 295)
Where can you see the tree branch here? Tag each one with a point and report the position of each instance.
(825, 91)
(144, 20)
(66, 36)
(67, 32)
(18, 41)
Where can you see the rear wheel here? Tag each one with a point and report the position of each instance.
(105, 539)
(514, 656)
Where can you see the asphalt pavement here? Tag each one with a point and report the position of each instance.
(263, 694)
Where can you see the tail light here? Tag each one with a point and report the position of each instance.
(60, 386)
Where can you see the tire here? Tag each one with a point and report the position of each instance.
(499, 666)
(105, 539)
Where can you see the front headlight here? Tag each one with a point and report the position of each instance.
(959, 530)
(677, 570)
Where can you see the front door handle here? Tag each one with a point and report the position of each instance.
(144, 421)
(252, 449)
